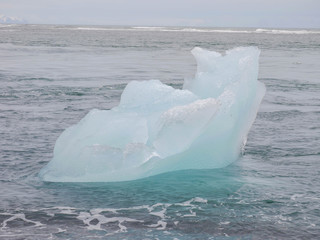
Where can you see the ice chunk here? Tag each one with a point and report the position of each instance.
(157, 128)
(181, 125)
(152, 96)
(216, 72)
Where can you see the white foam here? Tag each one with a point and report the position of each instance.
(200, 200)
(100, 210)
(19, 216)
(193, 200)
(104, 219)
(199, 30)
(87, 217)
(149, 28)
(285, 31)
(192, 214)
(160, 214)
(224, 223)
(160, 225)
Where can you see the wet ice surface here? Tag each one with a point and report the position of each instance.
(157, 128)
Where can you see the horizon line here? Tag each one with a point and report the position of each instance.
(160, 26)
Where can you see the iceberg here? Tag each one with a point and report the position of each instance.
(156, 128)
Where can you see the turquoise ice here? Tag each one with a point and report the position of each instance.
(156, 128)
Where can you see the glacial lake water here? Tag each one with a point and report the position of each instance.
(51, 76)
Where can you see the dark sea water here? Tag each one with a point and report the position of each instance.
(51, 76)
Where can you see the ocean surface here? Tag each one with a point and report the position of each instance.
(52, 76)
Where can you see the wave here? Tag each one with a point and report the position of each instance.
(149, 28)
(182, 29)
(200, 30)
(110, 220)
(94, 29)
(284, 31)
(173, 29)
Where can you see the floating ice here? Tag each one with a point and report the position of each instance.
(157, 128)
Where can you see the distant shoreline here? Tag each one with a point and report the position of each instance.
(186, 29)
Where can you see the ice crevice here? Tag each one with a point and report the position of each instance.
(156, 128)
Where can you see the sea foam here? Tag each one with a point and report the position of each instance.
(156, 128)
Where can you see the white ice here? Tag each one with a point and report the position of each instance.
(156, 128)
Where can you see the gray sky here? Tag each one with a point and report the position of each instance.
(214, 13)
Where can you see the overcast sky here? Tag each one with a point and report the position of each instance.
(207, 13)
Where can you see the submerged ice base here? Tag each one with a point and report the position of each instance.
(157, 128)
